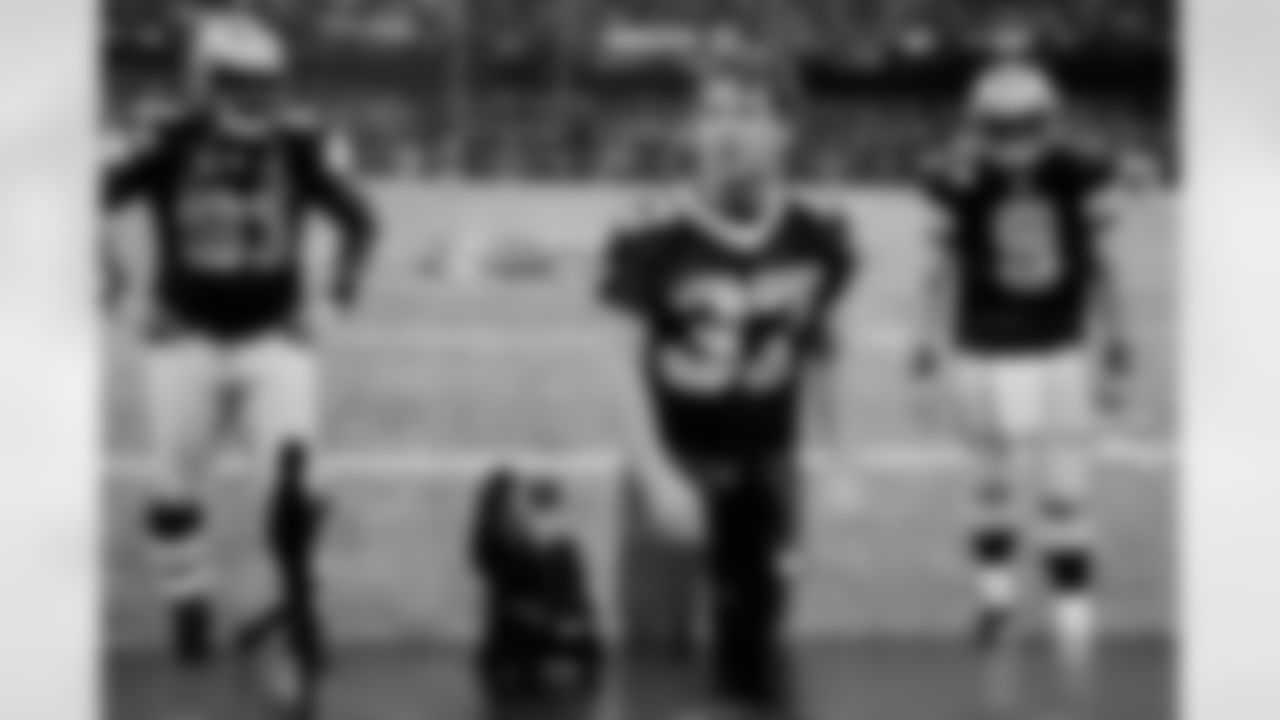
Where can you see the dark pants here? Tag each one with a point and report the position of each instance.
(750, 515)
(522, 656)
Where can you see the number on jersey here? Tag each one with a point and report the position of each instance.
(224, 231)
(1028, 254)
(718, 354)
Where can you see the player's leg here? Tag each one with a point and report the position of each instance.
(1005, 405)
(1067, 541)
(749, 523)
(995, 542)
(181, 384)
(281, 377)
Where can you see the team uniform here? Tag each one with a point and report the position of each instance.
(729, 337)
(1032, 315)
(228, 304)
(228, 356)
(1024, 251)
(229, 289)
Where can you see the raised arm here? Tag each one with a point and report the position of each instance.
(627, 286)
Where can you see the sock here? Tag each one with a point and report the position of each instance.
(1073, 614)
(293, 528)
(995, 550)
(1071, 576)
(176, 528)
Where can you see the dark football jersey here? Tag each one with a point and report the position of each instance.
(1024, 248)
(227, 213)
(730, 331)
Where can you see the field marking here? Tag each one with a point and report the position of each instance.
(595, 465)
(522, 338)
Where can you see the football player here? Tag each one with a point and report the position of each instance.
(731, 299)
(229, 312)
(1023, 305)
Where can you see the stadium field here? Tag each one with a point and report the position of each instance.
(479, 344)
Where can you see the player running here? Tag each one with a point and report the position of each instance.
(228, 313)
(732, 300)
(1023, 305)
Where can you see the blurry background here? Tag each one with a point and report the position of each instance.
(583, 88)
(501, 140)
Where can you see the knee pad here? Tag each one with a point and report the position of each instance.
(174, 520)
(995, 545)
(1070, 570)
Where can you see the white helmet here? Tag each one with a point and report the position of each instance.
(1013, 91)
(237, 43)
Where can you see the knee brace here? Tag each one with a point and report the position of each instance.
(995, 545)
(1070, 571)
(174, 520)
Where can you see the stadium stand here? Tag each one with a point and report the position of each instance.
(574, 88)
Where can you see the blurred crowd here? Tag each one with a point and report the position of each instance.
(588, 88)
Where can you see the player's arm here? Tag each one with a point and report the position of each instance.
(938, 295)
(132, 173)
(937, 302)
(827, 480)
(826, 381)
(625, 287)
(1116, 183)
(336, 195)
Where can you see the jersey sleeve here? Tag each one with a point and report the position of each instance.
(325, 182)
(628, 265)
(138, 167)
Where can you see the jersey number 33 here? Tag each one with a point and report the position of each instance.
(229, 231)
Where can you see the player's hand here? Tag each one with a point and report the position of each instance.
(1116, 373)
(674, 501)
(136, 316)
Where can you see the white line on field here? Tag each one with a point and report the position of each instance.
(531, 339)
(527, 338)
(596, 464)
